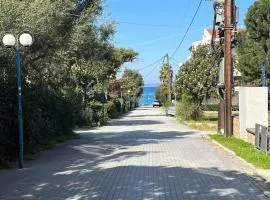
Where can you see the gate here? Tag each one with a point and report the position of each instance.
(262, 138)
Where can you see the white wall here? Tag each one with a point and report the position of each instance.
(253, 108)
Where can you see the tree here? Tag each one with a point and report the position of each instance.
(198, 76)
(254, 43)
(166, 74)
(65, 73)
(132, 85)
(160, 94)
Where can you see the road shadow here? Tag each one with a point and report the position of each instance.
(96, 167)
(134, 122)
(146, 116)
(84, 169)
(142, 182)
(139, 137)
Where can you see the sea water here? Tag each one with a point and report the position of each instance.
(148, 96)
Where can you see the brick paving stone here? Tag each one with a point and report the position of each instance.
(143, 156)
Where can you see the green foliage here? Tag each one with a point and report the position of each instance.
(208, 122)
(245, 150)
(198, 76)
(166, 77)
(168, 104)
(254, 43)
(214, 107)
(111, 110)
(160, 94)
(187, 109)
(132, 85)
(65, 73)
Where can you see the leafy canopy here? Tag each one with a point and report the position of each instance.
(254, 43)
(198, 76)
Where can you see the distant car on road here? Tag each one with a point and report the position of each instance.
(156, 103)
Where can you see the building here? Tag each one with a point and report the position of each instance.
(206, 38)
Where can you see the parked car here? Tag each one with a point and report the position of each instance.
(156, 103)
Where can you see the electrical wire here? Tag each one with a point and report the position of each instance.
(154, 40)
(185, 35)
(150, 65)
(156, 25)
(150, 72)
(187, 9)
(177, 61)
(153, 69)
(174, 65)
(158, 39)
(149, 25)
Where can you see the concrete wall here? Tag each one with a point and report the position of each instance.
(253, 108)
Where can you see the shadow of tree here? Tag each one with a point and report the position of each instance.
(138, 137)
(134, 122)
(98, 166)
(79, 171)
(153, 115)
(143, 182)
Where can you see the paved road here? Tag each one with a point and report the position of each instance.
(144, 156)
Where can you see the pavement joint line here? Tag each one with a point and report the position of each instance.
(143, 156)
(257, 172)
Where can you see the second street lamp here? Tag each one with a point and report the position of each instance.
(25, 39)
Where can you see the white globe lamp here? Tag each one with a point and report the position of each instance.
(9, 40)
(26, 39)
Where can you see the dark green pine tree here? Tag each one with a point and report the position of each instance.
(254, 43)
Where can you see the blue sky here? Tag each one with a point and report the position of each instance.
(154, 28)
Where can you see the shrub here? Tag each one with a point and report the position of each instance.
(111, 109)
(85, 118)
(189, 110)
(47, 115)
(214, 107)
(168, 104)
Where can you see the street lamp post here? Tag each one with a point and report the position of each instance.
(121, 90)
(129, 99)
(25, 39)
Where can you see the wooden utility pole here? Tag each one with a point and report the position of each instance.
(166, 62)
(228, 68)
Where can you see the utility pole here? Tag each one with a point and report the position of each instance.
(166, 63)
(228, 68)
(218, 31)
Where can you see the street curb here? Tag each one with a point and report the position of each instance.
(261, 173)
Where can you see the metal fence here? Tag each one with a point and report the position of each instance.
(262, 138)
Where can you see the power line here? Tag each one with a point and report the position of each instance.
(159, 39)
(185, 35)
(156, 25)
(187, 9)
(150, 72)
(152, 69)
(154, 40)
(150, 65)
(177, 61)
(150, 25)
(174, 63)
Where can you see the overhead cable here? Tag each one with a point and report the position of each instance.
(185, 35)
(153, 69)
(150, 65)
